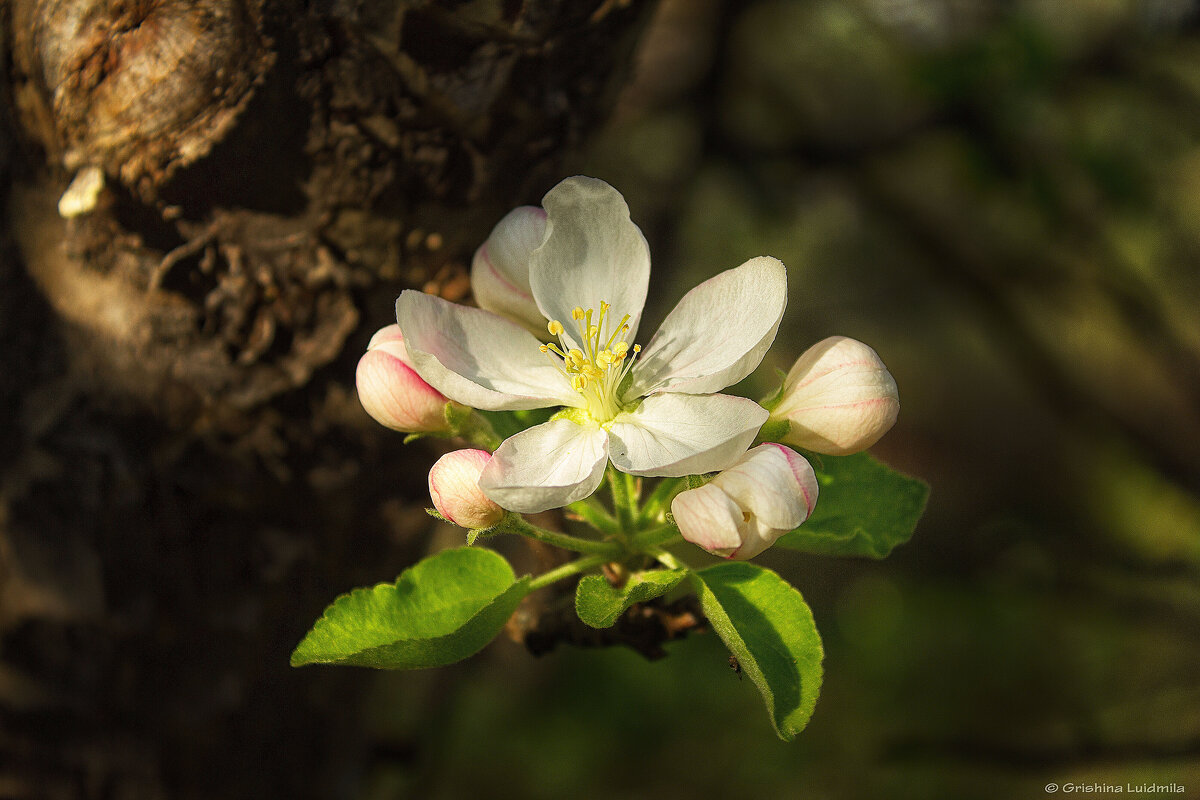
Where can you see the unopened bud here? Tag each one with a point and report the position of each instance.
(392, 392)
(500, 268)
(454, 488)
(742, 511)
(837, 399)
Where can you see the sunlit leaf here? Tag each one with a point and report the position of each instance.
(439, 611)
(769, 628)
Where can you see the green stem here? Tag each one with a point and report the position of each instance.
(773, 430)
(657, 502)
(656, 537)
(565, 571)
(622, 501)
(594, 514)
(633, 489)
(669, 561)
(515, 523)
(474, 428)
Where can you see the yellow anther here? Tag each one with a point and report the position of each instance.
(598, 364)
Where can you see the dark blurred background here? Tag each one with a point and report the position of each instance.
(1002, 198)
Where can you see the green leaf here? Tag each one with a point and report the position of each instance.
(864, 508)
(769, 628)
(441, 610)
(599, 603)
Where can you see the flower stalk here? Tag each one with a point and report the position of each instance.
(623, 502)
(664, 534)
(592, 512)
(515, 523)
(565, 571)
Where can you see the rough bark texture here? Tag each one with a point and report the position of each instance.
(186, 478)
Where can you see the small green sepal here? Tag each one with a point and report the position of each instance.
(773, 430)
(776, 397)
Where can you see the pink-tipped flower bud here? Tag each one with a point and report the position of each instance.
(391, 390)
(740, 513)
(454, 487)
(837, 399)
(500, 269)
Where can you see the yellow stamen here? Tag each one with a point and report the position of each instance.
(598, 361)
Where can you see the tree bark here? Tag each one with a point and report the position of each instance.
(186, 478)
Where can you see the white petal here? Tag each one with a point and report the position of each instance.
(756, 538)
(679, 434)
(548, 466)
(500, 269)
(592, 252)
(477, 358)
(776, 484)
(718, 333)
(708, 518)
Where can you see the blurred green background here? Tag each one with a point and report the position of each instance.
(1004, 200)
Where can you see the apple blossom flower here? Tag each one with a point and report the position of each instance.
(742, 511)
(652, 412)
(837, 399)
(392, 392)
(454, 489)
(500, 269)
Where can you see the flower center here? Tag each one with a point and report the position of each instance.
(596, 370)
